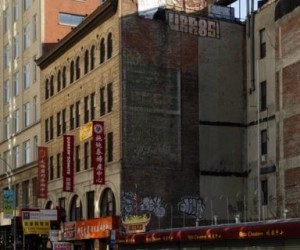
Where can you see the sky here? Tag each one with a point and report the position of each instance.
(240, 7)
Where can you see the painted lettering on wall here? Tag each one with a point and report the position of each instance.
(197, 26)
(192, 206)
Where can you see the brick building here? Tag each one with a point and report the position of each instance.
(138, 73)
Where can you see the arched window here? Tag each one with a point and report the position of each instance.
(47, 89)
(77, 67)
(64, 77)
(75, 209)
(93, 57)
(109, 46)
(49, 205)
(102, 50)
(107, 203)
(72, 72)
(52, 85)
(86, 61)
(58, 80)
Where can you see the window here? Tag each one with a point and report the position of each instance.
(47, 130)
(102, 51)
(263, 96)
(6, 55)
(34, 69)
(16, 10)
(16, 46)
(86, 61)
(64, 77)
(26, 74)
(16, 126)
(26, 4)
(58, 124)
(93, 57)
(52, 85)
(35, 109)
(72, 119)
(70, 19)
(64, 123)
(76, 209)
(26, 109)
(77, 158)
(16, 86)
(6, 129)
(109, 46)
(34, 27)
(51, 168)
(6, 23)
(110, 147)
(109, 97)
(25, 194)
(86, 109)
(72, 72)
(264, 189)
(102, 101)
(26, 152)
(5, 159)
(62, 202)
(264, 142)
(77, 67)
(51, 127)
(58, 164)
(47, 89)
(26, 36)
(93, 106)
(6, 91)
(58, 80)
(16, 157)
(17, 194)
(90, 196)
(107, 203)
(77, 114)
(86, 155)
(35, 147)
(262, 36)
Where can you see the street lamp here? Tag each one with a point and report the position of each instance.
(11, 175)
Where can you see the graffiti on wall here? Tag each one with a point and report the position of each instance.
(192, 206)
(132, 204)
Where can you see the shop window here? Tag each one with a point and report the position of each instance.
(107, 203)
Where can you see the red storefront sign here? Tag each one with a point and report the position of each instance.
(42, 172)
(68, 163)
(98, 152)
(95, 228)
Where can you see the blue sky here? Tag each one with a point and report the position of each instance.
(241, 6)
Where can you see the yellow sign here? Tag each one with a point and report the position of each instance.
(85, 131)
(36, 227)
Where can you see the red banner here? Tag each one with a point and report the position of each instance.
(42, 172)
(98, 154)
(68, 163)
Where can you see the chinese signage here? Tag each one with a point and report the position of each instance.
(98, 152)
(68, 231)
(94, 228)
(193, 25)
(68, 163)
(42, 172)
(8, 203)
(136, 223)
(41, 227)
